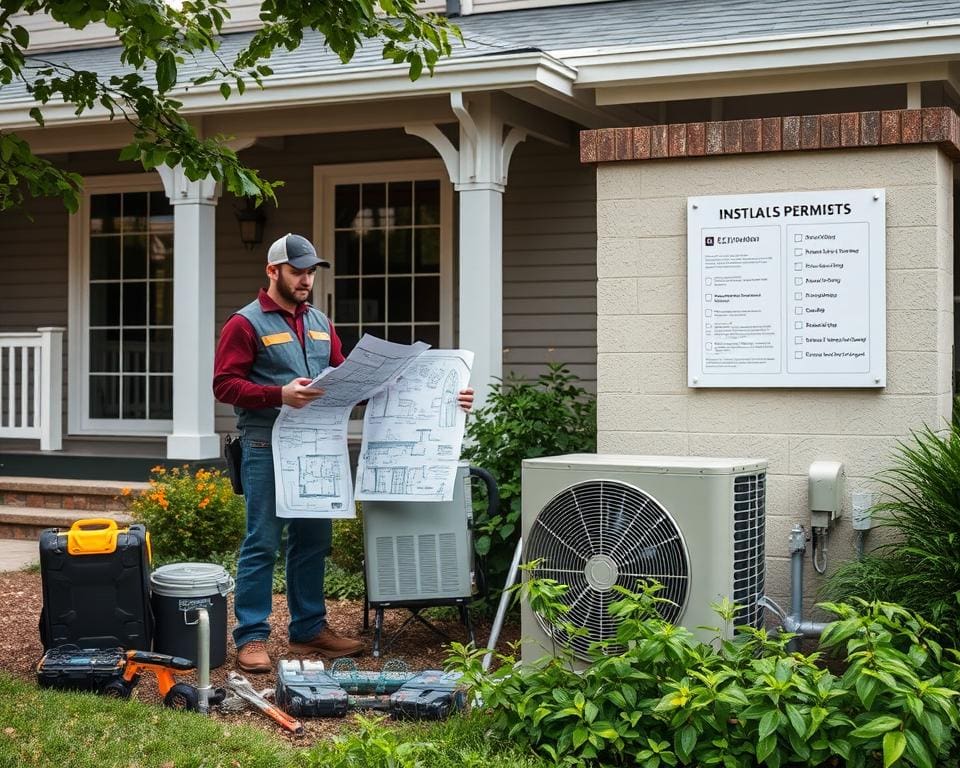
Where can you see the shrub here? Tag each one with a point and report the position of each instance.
(669, 700)
(523, 420)
(190, 517)
(347, 551)
(921, 570)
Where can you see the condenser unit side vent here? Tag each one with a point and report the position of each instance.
(450, 567)
(428, 562)
(749, 509)
(386, 565)
(406, 566)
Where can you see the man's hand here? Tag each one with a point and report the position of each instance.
(297, 393)
(465, 399)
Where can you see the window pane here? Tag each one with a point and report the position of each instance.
(372, 308)
(401, 202)
(426, 299)
(399, 334)
(373, 257)
(161, 350)
(349, 336)
(104, 397)
(374, 204)
(426, 250)
(399, 251)
(161, 397)
(161, 213)
(347, 204)
(105, 304)
(161, 255)
(104, 213)
(134, 257)
(374, 330)
(347, 253)
(347, 305)
(161, 302)
(135, 350)
(427, 198)
(105, 350)
(104, 258)
(135, 303)
(134, 399)
(399, 299)
(135, 212)
(428, 333)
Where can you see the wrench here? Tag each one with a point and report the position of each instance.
(242, 687)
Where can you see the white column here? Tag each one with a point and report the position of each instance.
(194, 202)
(478, 169)
(51, 388)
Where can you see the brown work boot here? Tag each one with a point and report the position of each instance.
(329, 644)
(253, 657)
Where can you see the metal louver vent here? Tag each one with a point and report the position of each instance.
(749, 509)
(597, 534)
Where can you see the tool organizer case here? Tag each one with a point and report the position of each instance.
(431, 695)
(305, 690)
(96, 586)
(80, 669)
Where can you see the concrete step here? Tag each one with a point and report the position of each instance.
(57, 493)
(27, 522)
(17, 554)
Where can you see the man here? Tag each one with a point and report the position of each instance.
(268, 353)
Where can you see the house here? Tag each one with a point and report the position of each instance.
(468, 209)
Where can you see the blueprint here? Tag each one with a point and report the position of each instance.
(413, 431)
(310, 457)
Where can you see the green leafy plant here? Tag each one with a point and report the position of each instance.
(522, 420)
(921, 568)
(347, 550)
(660, 697)
(191, 516)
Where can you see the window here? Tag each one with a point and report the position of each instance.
(387, 232)
(122, 308)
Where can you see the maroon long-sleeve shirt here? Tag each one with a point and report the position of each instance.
(237, 349)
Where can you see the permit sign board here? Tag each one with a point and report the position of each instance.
(787, 289)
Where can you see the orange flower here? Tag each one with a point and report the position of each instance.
(125, 491)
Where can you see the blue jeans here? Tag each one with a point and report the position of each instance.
(308, 544)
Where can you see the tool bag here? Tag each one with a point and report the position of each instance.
(96, 586)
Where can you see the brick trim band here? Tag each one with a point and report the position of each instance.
(930, 125)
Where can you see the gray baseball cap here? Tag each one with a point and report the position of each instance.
(296, 251)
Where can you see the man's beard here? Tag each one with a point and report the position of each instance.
(289, 294)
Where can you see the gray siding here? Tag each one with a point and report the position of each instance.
(550, 263)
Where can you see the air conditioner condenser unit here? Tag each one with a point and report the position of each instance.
(696, 525)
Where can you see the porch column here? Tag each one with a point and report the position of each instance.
(194, 202)
(478, 170)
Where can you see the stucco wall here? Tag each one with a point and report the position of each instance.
(645, 406)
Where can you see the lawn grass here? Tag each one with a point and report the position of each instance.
(80, 730)
(53, 729)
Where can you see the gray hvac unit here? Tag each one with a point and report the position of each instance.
(420, 553)
(696, 525)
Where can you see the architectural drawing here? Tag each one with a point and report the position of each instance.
(413, 431)
(311, 462)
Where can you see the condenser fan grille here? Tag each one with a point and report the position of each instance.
(597, 534)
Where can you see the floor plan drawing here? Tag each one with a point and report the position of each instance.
(311, 461)
(413, 431)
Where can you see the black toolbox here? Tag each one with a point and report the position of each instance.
(70, 668)
(96, 586)
(304, 689)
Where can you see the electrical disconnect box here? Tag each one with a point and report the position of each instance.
(825, 492)
(861, 515)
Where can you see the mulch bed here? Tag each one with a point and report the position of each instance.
(20, 647)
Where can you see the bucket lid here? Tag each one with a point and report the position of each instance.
(191, 580)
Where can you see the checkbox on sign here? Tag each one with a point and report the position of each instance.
(798, 339)
(707, 312)
(798, 281)
(796, 310)
(708, 346)
(798, 266)
(708, 297)
(798, 355)
(798, 238)
(798, 325)
(798, 251)
(797, 296)
(708, 281)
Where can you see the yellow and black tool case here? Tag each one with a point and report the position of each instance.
(96, 586)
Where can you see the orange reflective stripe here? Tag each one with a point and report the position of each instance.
(319, 335)
(276, 338)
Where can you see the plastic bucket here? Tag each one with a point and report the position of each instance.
(177, 591)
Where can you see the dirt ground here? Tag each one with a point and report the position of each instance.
(419, 648)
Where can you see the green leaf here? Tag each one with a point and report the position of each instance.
(166, 71)
(21, 36)
(877, 726)
(225, 90)
(36, 115)
(765, 747)
(769, 723)
(894, 742)
(416, 67)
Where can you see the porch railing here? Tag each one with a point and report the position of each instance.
(31, 386)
